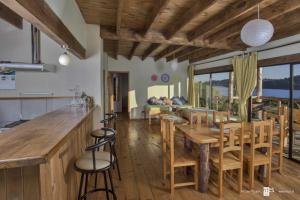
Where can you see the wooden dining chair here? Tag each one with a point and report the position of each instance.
(176, 157)
(279, 135)
(230, 155)
(278, 144)
(199, 118)
(221, 116)
(260, 151)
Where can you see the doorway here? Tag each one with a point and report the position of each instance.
(118, 87)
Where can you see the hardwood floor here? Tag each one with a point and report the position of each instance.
(139, 152)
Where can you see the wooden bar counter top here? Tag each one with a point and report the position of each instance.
(37, 157)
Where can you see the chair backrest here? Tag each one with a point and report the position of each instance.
(261, 136)
(199, 118)
(282, 131)
(234, 134)
(113, 119)
(108, 139)
(168, 135)
(109, 122)
(221, 116)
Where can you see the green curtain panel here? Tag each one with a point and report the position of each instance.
(191, 91)
(245, 72)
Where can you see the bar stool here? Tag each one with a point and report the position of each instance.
(102, 133)
(94, 162)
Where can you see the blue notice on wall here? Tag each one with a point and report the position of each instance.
(7, 80)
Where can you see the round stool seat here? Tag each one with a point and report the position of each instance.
(86, 162)
(101, 133)
(101, 155)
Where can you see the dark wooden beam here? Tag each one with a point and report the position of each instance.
(186, 51)
(215, 23)
(39, 13)
(271, 12)
(10, 16)
(183, 54)
(203, 54)
(149, 50)
(171, 50)
(133, 49)
(109, 33)
(120, 8)
(189, 15)
(227, 68)
(155, 13)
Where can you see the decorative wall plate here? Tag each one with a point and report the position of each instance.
(154, 77)
(165, 78)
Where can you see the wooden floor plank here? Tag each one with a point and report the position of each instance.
(139, 152)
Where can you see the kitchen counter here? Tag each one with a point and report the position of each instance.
(41, 152)
(36, 140)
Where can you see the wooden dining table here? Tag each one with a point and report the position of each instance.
(204, 138)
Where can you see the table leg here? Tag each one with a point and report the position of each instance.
(204, 167)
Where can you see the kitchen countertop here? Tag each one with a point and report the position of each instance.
(36, 140)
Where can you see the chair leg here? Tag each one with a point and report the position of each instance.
(112, 184)
(269, 172)
(106, 186)
(196, 177)
(80, 186)
(86, 184)
(220, 181)
(240, 174)
(251, 176)
(164, 167)
(172, 174)
(280, 160)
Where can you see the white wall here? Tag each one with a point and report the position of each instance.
(140, 85)
(15, 45)
(68, 11)
(85, 73)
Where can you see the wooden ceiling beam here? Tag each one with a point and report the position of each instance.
(133, 49)
(168, 51)
(182, 53)
(271, 12)
(156, 37)
(215, 23)
(149, 50)
(204, 54)
(120, 8)
(155, 13)
(39, 13)
(10, 16)
(188, 16)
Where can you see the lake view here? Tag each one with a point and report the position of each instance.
(279, 93)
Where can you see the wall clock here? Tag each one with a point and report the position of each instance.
(165, 78)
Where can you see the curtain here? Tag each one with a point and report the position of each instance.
(191, 91)
(245, 71)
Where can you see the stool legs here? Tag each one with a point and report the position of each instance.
(112, 185)
(80, 186)
(117, 163)
(106, 187)
(86, 184)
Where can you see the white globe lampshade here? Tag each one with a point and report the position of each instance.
(257, 32)
(64, 59)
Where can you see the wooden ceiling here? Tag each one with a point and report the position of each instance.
(183, 29)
